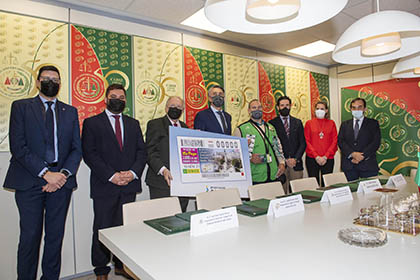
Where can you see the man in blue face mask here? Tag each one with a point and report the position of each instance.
(359, 139)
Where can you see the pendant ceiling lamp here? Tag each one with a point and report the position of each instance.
(266, 11)
(270, 16)
(378, 37)
(407, 67)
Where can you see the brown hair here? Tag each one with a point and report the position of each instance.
(327, 115)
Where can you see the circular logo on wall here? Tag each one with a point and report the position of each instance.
(149, 93)
(15, 82)
(236, 99)
(89, 88)
(267, 102)
(196, 97)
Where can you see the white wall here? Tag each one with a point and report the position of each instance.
(77, 240)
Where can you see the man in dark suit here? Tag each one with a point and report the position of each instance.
(115, 152)
(292, 138)
(214, 119)
(46, 151)
(159, 176)
(359, 139)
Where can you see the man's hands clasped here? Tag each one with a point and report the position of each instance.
(122, 178)
(55, 180)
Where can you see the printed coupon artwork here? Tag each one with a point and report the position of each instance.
(208, 159)
(99, 58)
(320, 90)
(272, 85)
(202, 69)
(297, 88)
(157, 76)
(395, 105)
(241, 86)
(27, 44)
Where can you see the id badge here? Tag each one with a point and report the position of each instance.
(269, 159)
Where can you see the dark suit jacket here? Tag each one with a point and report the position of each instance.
(102, 154)
(27, 135)
(157, 142)
(206, 120)
(293, 146)
(367, 142)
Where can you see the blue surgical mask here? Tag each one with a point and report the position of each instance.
(357, 114)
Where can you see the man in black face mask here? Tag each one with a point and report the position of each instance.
(291, 133)
(114, 150)
(46, 151)
(159, 176)
(214, 119)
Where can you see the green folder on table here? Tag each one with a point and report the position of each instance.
(250, 210)
(310, 196)
(169, 225)
(260, 203)
(187, 215)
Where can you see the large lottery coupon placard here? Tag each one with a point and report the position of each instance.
(203, 161)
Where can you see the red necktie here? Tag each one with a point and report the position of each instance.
(175, 124)
(118, 130)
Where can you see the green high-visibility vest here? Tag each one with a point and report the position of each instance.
(265, 171)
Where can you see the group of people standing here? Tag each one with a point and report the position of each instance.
(47, 149)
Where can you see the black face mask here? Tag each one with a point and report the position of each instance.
(257, 114)
(218, 101)
(116, 106)
(284, 112)
(174, 113)
(49, 88)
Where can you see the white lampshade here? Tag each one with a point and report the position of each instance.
(381, 44)
(232, 15)
(348, 49)
(407, 67)
(271, 10)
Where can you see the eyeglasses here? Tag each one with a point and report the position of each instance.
(47, 79)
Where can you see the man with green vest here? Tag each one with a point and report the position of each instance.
(265, 150)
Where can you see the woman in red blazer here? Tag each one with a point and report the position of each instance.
(321, 143)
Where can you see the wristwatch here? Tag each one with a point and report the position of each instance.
(65, 172)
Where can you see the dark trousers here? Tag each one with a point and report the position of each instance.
(35, 207)
(355, 174)
(159, 193)
(107, 213)
(314, 169)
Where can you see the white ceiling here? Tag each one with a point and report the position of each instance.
(172, 12)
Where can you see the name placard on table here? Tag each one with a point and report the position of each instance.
(396, 181)
(369, 186)
(285, 206)
(214, 221)
(337, 195)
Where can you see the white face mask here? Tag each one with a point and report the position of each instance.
(358, 114)
(320, 114)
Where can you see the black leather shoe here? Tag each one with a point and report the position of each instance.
(123, 273)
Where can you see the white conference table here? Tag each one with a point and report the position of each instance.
(299, 246)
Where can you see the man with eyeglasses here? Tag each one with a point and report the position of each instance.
(115, 152)
(159, 176)
(214, 119)
(46, 151)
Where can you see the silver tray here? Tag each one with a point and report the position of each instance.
(363, 237)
